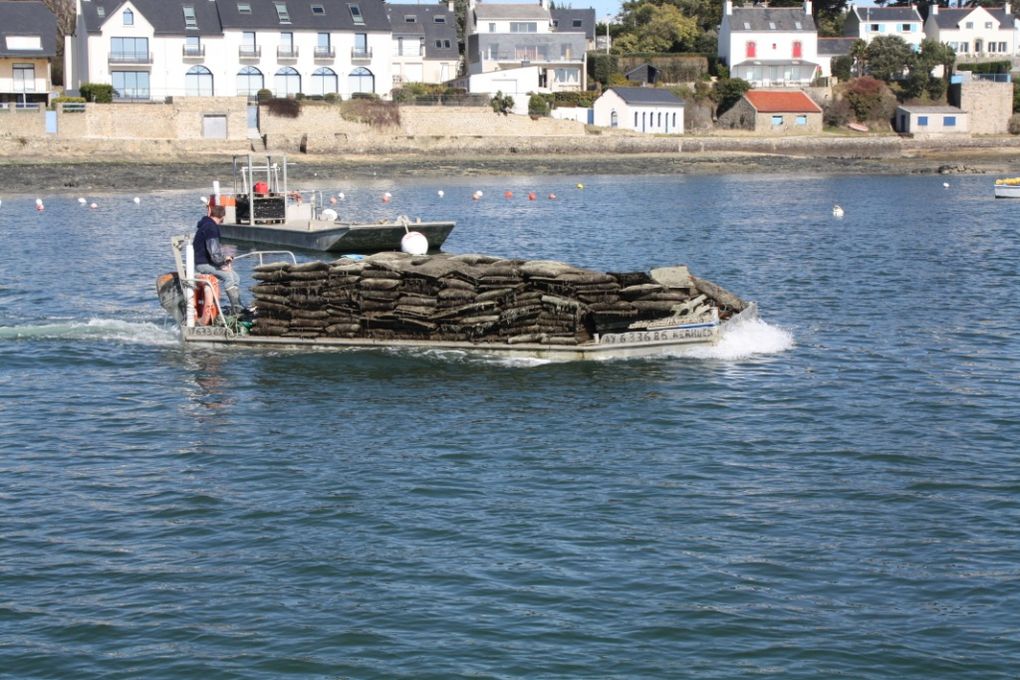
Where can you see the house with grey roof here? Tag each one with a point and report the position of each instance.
(770, 46)
(641, 109)
(829, 49)
(931, 121)
(868, 23)
(152, 49)
(573, 21)
(425, 48)
(28, 40)
(515, 49)
(975, 32)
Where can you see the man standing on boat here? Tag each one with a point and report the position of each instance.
(209, 257)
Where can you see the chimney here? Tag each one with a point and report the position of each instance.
(807, 7)
(934, 8)
(728, 7)
(450, 7)
(544, 4)
(1008, 9)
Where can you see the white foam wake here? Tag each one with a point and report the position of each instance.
(103, 330)
(745, 339)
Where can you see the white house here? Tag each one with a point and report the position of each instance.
(928, 121)
(425, 46)
(642, 109)
(28, 40)
(151, 49)
(975, 31)
(868, 23)
(770, 47)
(502, 37)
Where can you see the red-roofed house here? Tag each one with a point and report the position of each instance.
(774, 112)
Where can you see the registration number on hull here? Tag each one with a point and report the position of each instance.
(665, 335)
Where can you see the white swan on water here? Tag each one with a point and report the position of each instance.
(837, 210)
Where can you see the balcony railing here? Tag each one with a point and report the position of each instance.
(286, 53)
(361, 53)
(325, 53)
(249, 51)
(130, 58)
(193, 51)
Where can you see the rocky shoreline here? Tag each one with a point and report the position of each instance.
(133, 174)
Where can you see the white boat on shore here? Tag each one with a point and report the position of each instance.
(479, 304)
(263, 210)
(1007, 188)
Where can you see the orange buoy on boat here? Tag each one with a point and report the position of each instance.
(207, 293)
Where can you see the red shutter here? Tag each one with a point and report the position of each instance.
(796, 50)
(750, 49)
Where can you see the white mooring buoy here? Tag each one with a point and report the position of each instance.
(414, 243)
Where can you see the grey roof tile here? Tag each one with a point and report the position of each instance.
(647, 95)
(28, 19)
(425, 25)
(564, 21)
(785, 19)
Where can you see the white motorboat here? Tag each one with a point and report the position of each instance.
(262, 209)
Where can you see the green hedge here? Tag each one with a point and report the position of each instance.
(987, 67)
(101, 93)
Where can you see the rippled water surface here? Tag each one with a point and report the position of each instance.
(833, 492)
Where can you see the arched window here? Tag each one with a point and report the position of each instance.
(287, 82)
(361, 80)
(198, 82)
(249, 81)
(324, 81)
(614, 119)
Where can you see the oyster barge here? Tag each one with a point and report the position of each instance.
(475, 303)
(262, 209)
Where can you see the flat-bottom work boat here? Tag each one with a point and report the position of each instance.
(477, 303)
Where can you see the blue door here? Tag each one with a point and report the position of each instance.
(253, 121)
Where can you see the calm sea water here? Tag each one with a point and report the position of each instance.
(833, 492)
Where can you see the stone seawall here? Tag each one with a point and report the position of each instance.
(174, 132)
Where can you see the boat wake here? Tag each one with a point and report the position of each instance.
(101, 330)
(745, 339)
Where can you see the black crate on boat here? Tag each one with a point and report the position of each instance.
(268, 209)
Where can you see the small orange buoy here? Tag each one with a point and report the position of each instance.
(508, 194)
(532, 196)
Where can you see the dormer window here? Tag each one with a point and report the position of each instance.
(318, 10)
(101, 11)
(281, 12)
(439, 19)
(244, 8)
(747, 26)
(798, 25)
(129, 17)
(410, 19)
(772, 25)
(356, 15)
(190, 20)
